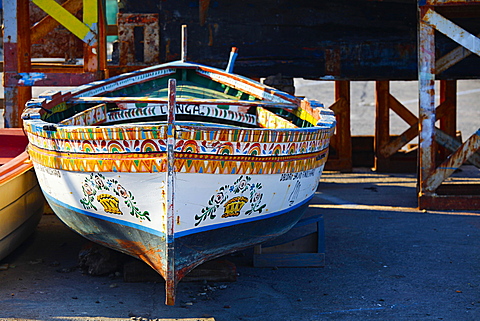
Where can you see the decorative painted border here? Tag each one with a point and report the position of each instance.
(181, 145)
(247, 85)
(116, 83)
(184, 162)
(132, 132)
(123, 132)
(205, 140)
(267, 119)
(91, 116)
(181, 109)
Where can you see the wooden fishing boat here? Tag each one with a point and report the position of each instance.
(21, 200)
(178, 163)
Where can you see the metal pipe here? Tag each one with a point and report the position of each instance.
(231, 60)
(184, 43)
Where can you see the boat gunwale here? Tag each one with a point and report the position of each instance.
(157, 155)
(251, 103)
(84, 90)
(45, 130)
(48, 100)
(15, 167)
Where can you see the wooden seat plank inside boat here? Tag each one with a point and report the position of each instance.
(190, 90)
(189, 85)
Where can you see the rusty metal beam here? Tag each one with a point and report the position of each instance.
(467, 149)
(450, 2)
(426, 70)
(453, 31)
(47, 24)
(450, 202)
(139, 36)
(394, 145)
(452, 58)
(431, 178)
(452, 145)
(448, 98)
(22, 81)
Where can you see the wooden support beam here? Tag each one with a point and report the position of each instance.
(47, 24)
(102, 40)
(16, 58)
(448, 121)
(467, 149)
(341, 142)
(402, 111)
(451, 30)
(90, 14)
(66, 19)
(396, 144)
(382, 123)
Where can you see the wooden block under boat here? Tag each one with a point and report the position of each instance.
(212, 271)
(302, 246)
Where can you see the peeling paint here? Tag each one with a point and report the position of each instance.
(29, 78)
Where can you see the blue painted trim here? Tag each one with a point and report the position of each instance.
(105, 218)
(236, 222)
(177, 234)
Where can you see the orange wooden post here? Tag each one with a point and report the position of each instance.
(16, 59)
(341, 143)
(102, 40)
(382, 124)
(24, 56)
(448, 121)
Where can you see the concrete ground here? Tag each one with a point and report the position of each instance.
(385, 260)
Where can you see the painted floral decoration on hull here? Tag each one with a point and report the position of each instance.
(234, 198)
(94, 184)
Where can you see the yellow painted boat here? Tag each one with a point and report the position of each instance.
(21, 199)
